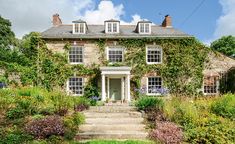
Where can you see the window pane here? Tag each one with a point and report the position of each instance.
(76, 55)
(82, 28)
(154, 85)
(141, 27)
(147, 28)
(76, 85)
(114, 27)
(154, 55)
(109, 27)
(210, 85)
(115, 55)
(76, 28)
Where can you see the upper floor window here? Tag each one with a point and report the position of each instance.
(76, 55)
(75, 85)
(210, 85)
(79, 27)
(112, 26)
(154, 84)
(144, 27)
(154, 55)
(115, 55)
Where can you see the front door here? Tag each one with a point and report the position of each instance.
(115, 89)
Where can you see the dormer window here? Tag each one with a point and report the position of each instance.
(79, 27)
(112, 26)
(144, 27)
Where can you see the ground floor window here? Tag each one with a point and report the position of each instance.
(210, 84)
(75, 85)
(154, 84)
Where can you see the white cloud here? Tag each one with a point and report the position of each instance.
(226, 22)
(106, 10)
(35, 15)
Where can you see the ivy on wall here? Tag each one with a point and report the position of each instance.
(183, 62)
(181, 70)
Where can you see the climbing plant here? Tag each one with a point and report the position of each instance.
(183, 62)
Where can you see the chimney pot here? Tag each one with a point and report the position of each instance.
(167, 21)
(56, 20)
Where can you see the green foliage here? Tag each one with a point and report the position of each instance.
(15, 113)
(145, 103)
(61, 101)
(211, 130)
(7, 36)
(16, 137)
(81, 103)
(225, 45)
(183, 113)
(224, 106)
(183, 62)
(199, 125)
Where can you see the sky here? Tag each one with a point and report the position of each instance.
(207, 20)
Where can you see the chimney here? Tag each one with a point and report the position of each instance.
(56, 20)
(167, 21)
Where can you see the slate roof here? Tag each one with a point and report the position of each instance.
(97, 32)
(218, 63)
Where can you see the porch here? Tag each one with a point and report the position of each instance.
(115, 84)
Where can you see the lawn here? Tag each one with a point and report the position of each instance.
(117, 142)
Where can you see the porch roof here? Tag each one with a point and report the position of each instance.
(115, 70)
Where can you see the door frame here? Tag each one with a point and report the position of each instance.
(121, 86)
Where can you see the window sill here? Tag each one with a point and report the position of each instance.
(76, 63)
(151, 63)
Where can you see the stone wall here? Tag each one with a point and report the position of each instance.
(91, 50)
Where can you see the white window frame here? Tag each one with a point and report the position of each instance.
(150, 25)
(114, 48)
(157, 48)
(147, 84)
(70, 92)
(112, 24)
(74, 63)
(217, 88)
(79, 25)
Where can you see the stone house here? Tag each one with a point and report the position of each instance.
(115, 81)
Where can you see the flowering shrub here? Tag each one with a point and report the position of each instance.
(146, 103)
(168, 133)
(81, 104)
(93, 100)
(46, 127)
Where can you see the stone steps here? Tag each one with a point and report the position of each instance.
(111, 109)
(112, 135)
(108, 127)
(112, 122)
(111, 115)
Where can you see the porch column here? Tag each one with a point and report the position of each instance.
(128, 88)
(103, 88)
(123, 87)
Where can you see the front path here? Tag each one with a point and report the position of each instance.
(112, 122)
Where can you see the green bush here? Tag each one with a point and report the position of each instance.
(71, 124)
(183, 112)
(224, 106)
(145, 103)
(81, 103)
(211, 130)
(16, 137)
(61, 102)
(15, 113)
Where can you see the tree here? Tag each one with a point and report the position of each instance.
(7, 36)
(225, 45)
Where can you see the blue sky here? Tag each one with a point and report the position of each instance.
(201, 24)
(212, 20)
